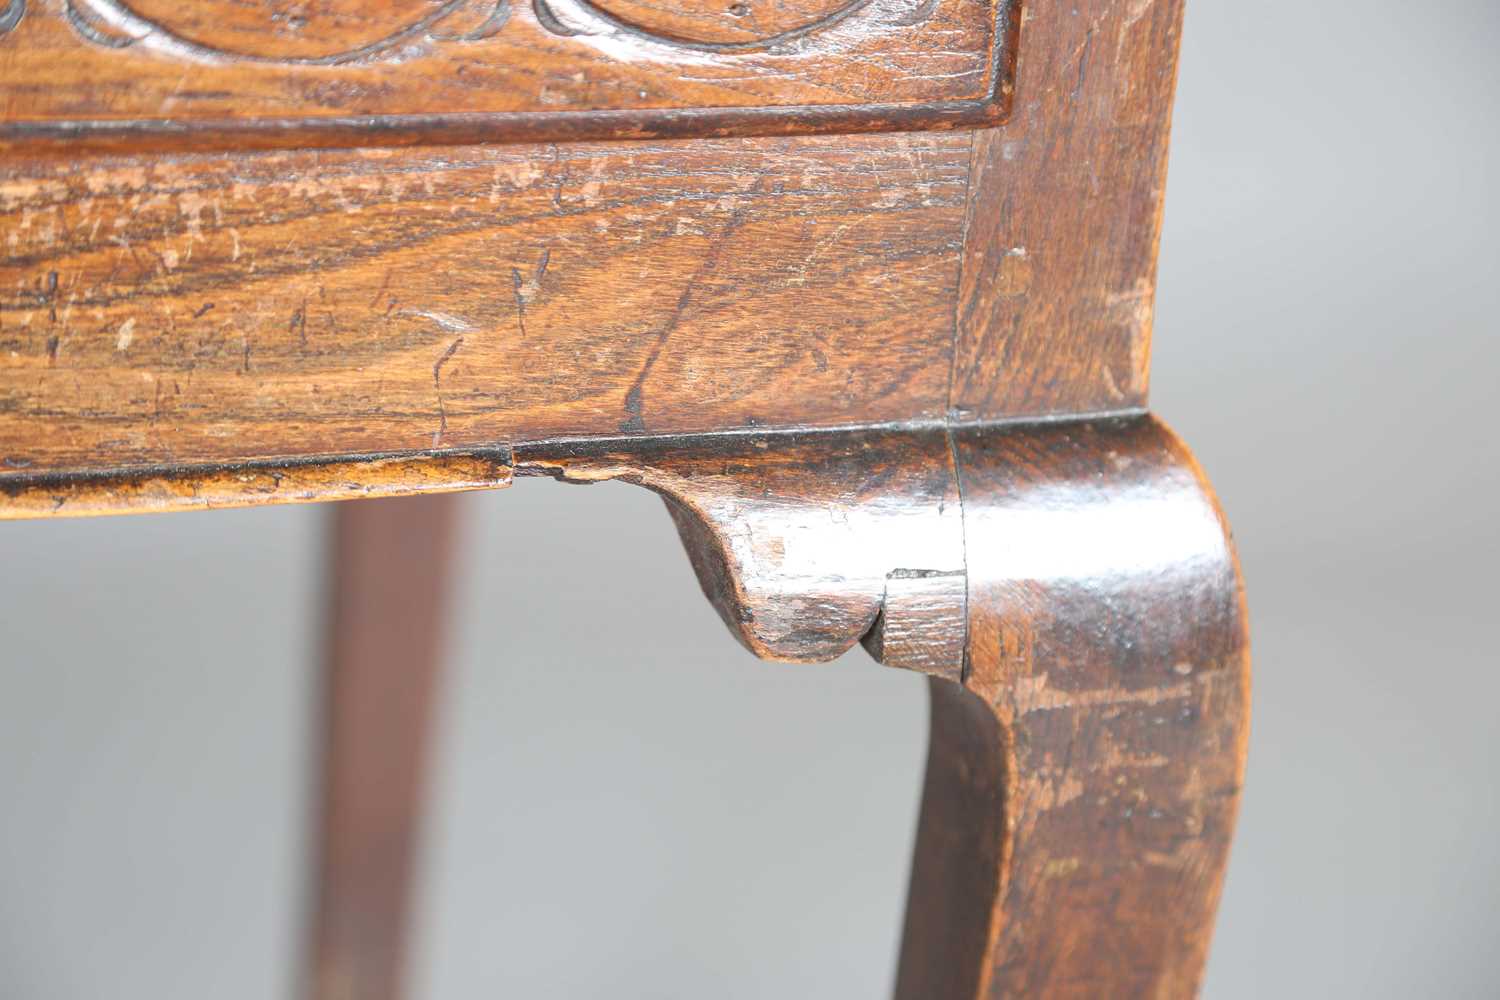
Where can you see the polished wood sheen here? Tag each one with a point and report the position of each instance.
(807, 543)
(250, 484)
(1065, 203)
(229, 309)
(1081, 615)
(200, 310)
(164, 74)
(892, 387)
(1080, 798)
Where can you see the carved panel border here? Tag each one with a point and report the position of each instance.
(157, 73)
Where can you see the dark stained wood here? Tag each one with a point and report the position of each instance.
(891, 388)
(229, 309)
(958, 865)
(391, 563)
(255, 276)
(804, 542)
(1054, 313)
(162, 74)
(1107, 635)
(234, 307)
(1078, 605)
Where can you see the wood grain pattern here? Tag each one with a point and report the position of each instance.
(1079, 607)
(314, 479)
(958, 863)
(1065, 201)
(840, 359)
(807, 543)
(211, 309)
(183, 311)
(1107, 636)
(163, 74)
(391, 575)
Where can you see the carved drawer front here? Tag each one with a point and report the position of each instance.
(167, 72)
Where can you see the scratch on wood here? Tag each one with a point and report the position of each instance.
(526, 289)
(635, 422)
(385, 284)
(1083, 65)
(437, 383)
(437, 368)
(449, 322)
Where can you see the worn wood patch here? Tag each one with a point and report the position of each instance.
(1064, 216)
(176, 310)
(1080, 799)
(251, 484)
(806, 543)
(401, 71)
(190, 310)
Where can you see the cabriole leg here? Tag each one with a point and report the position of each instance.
(1081, 792)
(1071, 589)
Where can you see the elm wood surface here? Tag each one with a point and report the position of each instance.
(307, 480)
(1087, 642)
(1081, 793)
(391, 563)
(227, 308)
(1065, 201)
(192, 310)
(165, 74)
(807, 543)
(837, 357)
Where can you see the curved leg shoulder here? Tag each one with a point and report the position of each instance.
(1072, 590)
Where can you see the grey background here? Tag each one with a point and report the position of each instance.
(627, 805)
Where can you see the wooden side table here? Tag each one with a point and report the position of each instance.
(862, 288)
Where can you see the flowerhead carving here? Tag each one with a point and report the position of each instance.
(340, 32)
(326, 33)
